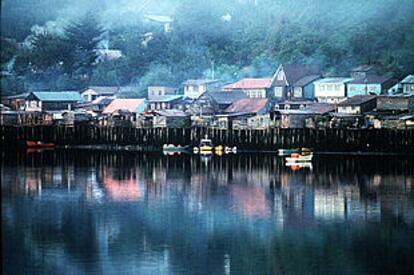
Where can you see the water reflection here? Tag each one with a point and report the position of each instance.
(131, 213)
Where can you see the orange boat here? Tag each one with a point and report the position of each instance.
(39, 144)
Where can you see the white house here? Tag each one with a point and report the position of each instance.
(332, 89)
(194, 88)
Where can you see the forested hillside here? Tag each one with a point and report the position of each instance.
(51, 44)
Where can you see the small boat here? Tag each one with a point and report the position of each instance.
(206, 147)
(39, 144)
(299, 165)
(299, 158)
(287, 152)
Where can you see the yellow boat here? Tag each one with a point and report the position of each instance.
(206, 146)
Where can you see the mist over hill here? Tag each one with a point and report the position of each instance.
(43, 41)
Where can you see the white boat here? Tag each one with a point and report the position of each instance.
(294, 158)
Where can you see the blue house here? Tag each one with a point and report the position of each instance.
(366, 81)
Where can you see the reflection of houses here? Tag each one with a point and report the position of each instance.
(250, 201)
(332, 89)
(49, 101)
(122, 190)
(194, 88)
(358, 104)
(295, 80)
(252, 87)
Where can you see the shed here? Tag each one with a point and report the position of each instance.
(357, 104)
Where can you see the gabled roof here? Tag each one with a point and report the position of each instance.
(130, 104)
(58, 96)
(409, 79)
(103, 90)
(371, 79)
(306, 80)
(226, 97)
(248, 105)
(200, 81)
(357, 100)
(294, 72)
(250, 83)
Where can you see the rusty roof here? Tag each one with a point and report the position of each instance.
(251, 105)
(250, 83)
(130, 104)
(357, 100)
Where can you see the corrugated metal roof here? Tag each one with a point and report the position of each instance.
(334, 80)
(250, 83)
(357, 100)
(165, 98)
(250, 105)
(58, 96)
(306, 80)
(371, 79)
(131, 104)
(226, 97)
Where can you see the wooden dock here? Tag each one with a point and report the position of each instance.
(326, 140)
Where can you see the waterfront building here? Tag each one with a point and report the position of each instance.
(163, 102)
(408, 84)
(294, 81)
(49, 101)
(93, 92)
(158, 91)
(133, 105)
(193, 88)
(210, 103)
(395, 103)
(307, 117)
(332, 89)
(357, 104)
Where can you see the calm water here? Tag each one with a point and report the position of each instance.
(126, 213)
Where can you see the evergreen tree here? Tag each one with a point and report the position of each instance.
(83, 36)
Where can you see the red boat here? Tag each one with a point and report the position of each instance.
(39, 144)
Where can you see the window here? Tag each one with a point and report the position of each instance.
(329, 87)
(280, 76)
(278, 91)
(337, 87)
(322, 87)
(352, 88)
(297, 92)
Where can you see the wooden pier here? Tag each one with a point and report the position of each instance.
(328, 140)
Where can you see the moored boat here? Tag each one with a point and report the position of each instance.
(299, 158)
(287, 152)
(39, 144)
